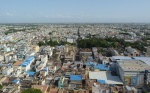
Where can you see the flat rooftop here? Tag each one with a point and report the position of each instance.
(144, 59)
(114, 58)
(133, 65)
(17, 63)
(85, 50)
(106, 76)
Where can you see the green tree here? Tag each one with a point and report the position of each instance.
(1, 86)
(32, 90)
(144, 92)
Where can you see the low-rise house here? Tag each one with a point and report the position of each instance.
(27, 63)
(75, 81)
(7, 70)
(63, 82)
(41, 64)
(97, 88)
(85, 52)
(11, 89)
(131, 52)
(35, 48)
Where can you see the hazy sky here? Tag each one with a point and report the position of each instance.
(56, 11)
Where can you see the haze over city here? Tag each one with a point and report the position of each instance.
(74, 11)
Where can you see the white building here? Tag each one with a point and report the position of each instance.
(27, 63)
(70, 40)
(16, 71)
(41, 64)
(7, 70)
(1, 57)
(44, 58)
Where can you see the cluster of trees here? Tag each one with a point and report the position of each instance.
(145, 39)
(32, 90)
(124, 33)
(109, 43)
(50, 42)
(54, 43)
(13, 30)
(64, 43)
(99, 42)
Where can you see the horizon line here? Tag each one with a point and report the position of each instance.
(75, 23)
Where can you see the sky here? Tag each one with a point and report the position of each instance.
(74, 11)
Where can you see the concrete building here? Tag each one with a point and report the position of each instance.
(1, 57)
(132, 72)
(35, 48)
(7, 70)
(131, 52)
(114, 53)
(70, 40)
(85, 52)
(27, 63)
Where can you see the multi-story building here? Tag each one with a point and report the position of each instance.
(132, 72)
(27, 63)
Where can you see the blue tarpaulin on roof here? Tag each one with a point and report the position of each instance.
(15, 81)
(101, 81)
(75, 77)
(102, 67)
(89, 63)
(27, 61)
(30, 73)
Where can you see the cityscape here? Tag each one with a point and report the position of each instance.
(75, 53)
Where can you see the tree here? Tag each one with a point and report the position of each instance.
(1, 86)
(32, 90)
(144, 92)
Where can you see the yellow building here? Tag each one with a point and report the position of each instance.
(35, 48)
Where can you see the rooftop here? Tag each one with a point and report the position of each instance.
(27, 61)
(75, 77)
(30, 73)
(102, 67)
(133, 65)
(105, 76)
(17, 63)
(114, 58)
(85, 50)
(144, 59)
(89, 63)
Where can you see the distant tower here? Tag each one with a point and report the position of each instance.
(78, 33)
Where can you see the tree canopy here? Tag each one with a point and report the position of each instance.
(1, 86)
(32, 90)
(110, 43)
(50, 42)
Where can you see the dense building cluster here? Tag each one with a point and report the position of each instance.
(48, 57)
